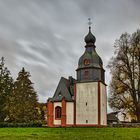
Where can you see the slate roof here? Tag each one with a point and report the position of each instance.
(90, 38)
(90, 53)
(65, 89)
(112, 117)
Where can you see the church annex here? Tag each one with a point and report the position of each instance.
(81, 101)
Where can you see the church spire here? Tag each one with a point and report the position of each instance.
(90, 62)
(90, 38)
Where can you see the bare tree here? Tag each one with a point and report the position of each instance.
(125, 69)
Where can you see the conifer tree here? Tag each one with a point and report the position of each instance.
(6, 84)
(23, 101)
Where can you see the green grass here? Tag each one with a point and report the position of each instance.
(70, 134)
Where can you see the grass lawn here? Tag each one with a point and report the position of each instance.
(70, 134)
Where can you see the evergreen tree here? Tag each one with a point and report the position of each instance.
(6, 84)
(23, 101)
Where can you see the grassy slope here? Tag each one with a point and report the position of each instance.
(70, 134)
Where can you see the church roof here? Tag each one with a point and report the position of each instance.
(112, 117)
(90, 53)
(90, 38)
(65, 89)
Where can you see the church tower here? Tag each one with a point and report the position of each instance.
(81, 101)
(90, 98)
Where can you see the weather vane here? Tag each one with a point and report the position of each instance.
(89, 22)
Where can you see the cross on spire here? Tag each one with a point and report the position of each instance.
(89, 22)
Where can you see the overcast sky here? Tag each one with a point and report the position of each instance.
(47, 36)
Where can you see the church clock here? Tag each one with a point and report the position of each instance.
(86, 62)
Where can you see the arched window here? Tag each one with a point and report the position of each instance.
(58, 112)
(86, 74)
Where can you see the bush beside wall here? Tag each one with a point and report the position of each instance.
(30, 124)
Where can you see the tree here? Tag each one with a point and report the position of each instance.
(6, 84)
(42, 110)
(124, 91)
(23, 100)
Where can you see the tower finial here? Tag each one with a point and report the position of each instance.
(90, 38)
(89, 23)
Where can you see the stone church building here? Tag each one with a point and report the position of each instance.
(81, 101)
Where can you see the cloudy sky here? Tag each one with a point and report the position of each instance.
(47, 36)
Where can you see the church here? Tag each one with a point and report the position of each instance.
(82, 101)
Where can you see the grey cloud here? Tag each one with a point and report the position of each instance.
(47, 36)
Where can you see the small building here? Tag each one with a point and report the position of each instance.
(81, 101)
(112, 118)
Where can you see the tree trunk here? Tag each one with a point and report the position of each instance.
(138, 113)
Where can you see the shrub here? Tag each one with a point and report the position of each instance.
(30, 124)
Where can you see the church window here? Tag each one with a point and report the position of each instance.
(86, 121)
(86, 103)
(58, 112)
(86, 74)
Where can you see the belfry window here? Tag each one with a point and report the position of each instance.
(58, 112)
(86, 74)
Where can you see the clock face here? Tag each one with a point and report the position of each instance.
(86, 62)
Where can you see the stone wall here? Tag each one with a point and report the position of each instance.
(135, 125)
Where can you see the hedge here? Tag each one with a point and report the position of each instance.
(30, 124)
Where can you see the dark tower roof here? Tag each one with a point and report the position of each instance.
(90, 65)
(90, 53)
(90, 38)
